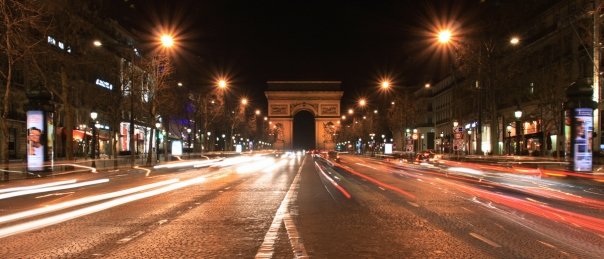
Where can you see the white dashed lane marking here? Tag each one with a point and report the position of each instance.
(484, 239)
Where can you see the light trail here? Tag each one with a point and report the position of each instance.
(85, 200)
(187, 164)
(537, 209)
(375, 181)
(244, 169)
(465, 170)
(22, 188)
(36, 224)
(334, 183)
(92, 169)
(275, 166)
(52, 188)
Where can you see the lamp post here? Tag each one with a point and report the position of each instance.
(509, 128)
(189, 139)
(93, 116)
(518, 115)
(455, 146)
(157, 126)
(469, 142)
(415, 141)
(442, 134)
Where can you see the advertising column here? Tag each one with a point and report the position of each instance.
(583, 139)
(35, 141)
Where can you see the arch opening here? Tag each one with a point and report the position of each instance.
(304, 130)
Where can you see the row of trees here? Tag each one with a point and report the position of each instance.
(47, 53)
(496, 76)
(391, 116)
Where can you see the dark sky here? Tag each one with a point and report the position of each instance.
(251, 42)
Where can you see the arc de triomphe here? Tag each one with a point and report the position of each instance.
(320, 98)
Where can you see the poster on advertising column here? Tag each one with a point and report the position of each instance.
(583, 139)
(35, 136)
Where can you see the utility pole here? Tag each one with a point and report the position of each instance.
(596, 77)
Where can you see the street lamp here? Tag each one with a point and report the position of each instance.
(167, 41)
(453, 147)
(514, 40)
(362, 102)
(442, 140)
(189, 138)
(469, 142)
(509, 128)
(518, 115)
(350, 111)
(157, 127)
(415, 140)
(93, 116)
(244, 101)
(222, 83)
(385, 85)
(444, 36)
(257, 112)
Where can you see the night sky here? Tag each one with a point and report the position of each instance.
(251, 42)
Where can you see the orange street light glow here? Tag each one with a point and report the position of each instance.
(444, 36)
(514, 40)
(222, 83)
(167, 41)
(385, 84)
(362, 102)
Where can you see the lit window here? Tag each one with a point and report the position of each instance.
(104, 84)
(61, 46)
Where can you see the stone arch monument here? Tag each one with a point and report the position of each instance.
(320, 98)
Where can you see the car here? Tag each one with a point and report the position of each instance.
(334, 155)
(426, 156)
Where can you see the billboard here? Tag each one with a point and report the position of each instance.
(176, 148)
(35, 140)
(583, 125)
(388, 148)
(125, 136)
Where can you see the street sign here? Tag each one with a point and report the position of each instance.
(460, 129)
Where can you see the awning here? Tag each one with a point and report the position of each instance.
(79, 135)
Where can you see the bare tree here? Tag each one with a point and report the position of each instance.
(19, 20)
(401, 114)
(159, 70)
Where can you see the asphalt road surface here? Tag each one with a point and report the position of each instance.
(291, 206)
